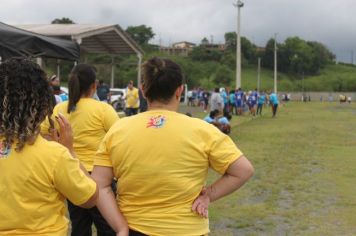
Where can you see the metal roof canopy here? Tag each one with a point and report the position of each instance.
(93, 38)
(108, 39)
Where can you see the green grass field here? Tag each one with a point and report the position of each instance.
(331, 78)
(305, 173)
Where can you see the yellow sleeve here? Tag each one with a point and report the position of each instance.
(223, 152)
(102, 157)
(110, 117)
(71, 181)
(136, 94)
(45, 127)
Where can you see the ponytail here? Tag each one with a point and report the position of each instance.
(74, 92)
(80, 80)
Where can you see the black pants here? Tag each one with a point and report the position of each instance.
(274, 109)
(131, 111)
(82, 220)
(136, 233)
(259, 109)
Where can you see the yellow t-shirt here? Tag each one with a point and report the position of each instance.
(132, 99)
(161, 164)
(34, 185)
(90, 121)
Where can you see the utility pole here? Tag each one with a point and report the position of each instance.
(304, 97)
(259, 74)
(352, 57)
(275, 63)
(112, 72)
(238, 4)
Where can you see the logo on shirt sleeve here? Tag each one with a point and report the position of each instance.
(156, 122)
(4, 151)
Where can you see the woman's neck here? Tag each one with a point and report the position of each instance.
(171, 106)
(89, 94)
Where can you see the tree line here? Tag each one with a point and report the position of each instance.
(209, 67)
(295, 55)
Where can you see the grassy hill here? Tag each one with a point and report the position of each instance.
(332, 78)
(210, 74)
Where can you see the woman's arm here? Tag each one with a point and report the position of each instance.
(106, 203)
(65, 137)
(236, 175)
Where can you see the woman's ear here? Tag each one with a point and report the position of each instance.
(141, 87)
(93, 87)
(179, 91)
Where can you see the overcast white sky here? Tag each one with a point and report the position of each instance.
(330, 22)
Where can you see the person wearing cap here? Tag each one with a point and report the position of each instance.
(54, 80)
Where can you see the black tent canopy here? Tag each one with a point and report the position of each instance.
(15, 42)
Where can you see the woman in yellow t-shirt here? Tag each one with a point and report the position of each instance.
(90, 120)
(36, 175)
(162, 161)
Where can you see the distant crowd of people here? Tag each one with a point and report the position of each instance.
(224, 103)
(234, 102)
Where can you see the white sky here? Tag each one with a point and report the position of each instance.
(326, 21)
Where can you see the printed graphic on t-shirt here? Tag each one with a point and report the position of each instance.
(156, 122)
(4, 151)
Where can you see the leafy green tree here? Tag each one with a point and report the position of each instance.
(297, 56)
(321, 56)
(268, 57)
(229, 59)
(300, 55)
(201, 53)
(63, 20)
(248, 49)
(204, 41)
(230, 40)
(223, 76)
(141, 34)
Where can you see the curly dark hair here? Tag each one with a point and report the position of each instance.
(25, 101)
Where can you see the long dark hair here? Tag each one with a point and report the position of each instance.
(25, 101)
(81, 78)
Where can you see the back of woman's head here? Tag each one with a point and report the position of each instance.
(160, 79)
(214, 113)
(81, 78)
(227, 115)
(25, 101)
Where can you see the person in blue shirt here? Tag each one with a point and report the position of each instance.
(59, 93)
(232, 100)
(239, 101)
(212, 117)
(224, 123)
(223, 95)
(273, 98)
(255, 96)
(260, 102)
(251, 102)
